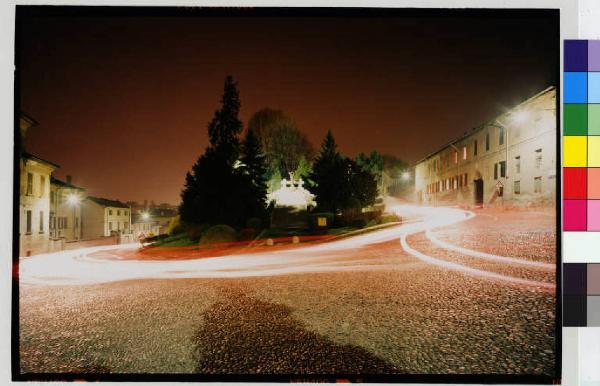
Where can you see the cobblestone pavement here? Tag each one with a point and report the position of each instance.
(405, 316)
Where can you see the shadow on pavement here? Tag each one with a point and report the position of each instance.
(242, 335)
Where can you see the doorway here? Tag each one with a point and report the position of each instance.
(478, 191)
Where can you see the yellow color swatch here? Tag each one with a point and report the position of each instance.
(593, 151)
(575, 151)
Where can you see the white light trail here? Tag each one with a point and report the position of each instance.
(103, 264)
(487, 256)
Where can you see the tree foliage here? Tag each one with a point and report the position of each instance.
(216, 191)
(328, 176)
(224, 128)
(254, 168)
(283, 143)
(387, 169)
(340, 183)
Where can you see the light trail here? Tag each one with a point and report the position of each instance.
(487, 256)
(102, 264)
(468, 270)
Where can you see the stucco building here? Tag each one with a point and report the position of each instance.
(65, 210)
(510, 160)
(103, 217)
(34, 204)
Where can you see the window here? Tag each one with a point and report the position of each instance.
(537, 185)
(456, 182)
(52, 197)
(455, 157)
(125, 225)
(28, 229)
(110, 212)
(51, 224)
(475, 147)
(466, 179)
(118, 212)
(464, 152)
(518, 164)
(29, 184)
(76, 222)
(495, 171)
(502, 168)
(110, 226)
(125, 212)
(42, 186)
(65, 222)
(517, 187)
(501, 136)
(538, 158)
(487, 141)
(41, 221)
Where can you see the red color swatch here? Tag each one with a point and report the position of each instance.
(575, 184)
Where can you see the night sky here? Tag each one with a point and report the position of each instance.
(123, 103)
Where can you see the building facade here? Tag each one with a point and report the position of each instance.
(508, 161)
(65, 210)
(102, 218)
(34, 204)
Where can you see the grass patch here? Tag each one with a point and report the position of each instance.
(340, 231)
(178, 240)
(282, 232)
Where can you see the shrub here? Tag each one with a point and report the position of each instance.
(175, 226)
(218, 234)
(248, 234)
(359, 222)
(195, 231)
(254, 222)
(390, 217)
(372, 223)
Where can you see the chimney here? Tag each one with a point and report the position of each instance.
(69, 179)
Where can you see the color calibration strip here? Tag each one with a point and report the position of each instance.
(581, 183)
(581, 131)
(581, 295)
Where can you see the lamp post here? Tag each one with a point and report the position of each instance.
(73, 200)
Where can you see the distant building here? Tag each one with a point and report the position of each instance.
(34, 204)
(510, 160)
(65, 210)
(145, 226)
(103, 217)
(152, 221)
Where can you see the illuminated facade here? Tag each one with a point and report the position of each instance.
(65, 210)
(103, 218)
(34, 204)
(508, 161)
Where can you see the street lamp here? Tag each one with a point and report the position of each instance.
(73, 200)
(406, 176)
(145, 215)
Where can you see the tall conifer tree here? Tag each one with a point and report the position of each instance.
(214, 190)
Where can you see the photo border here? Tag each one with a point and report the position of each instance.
(23, 11)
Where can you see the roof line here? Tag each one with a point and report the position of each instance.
(38, 159)
(483, 125)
